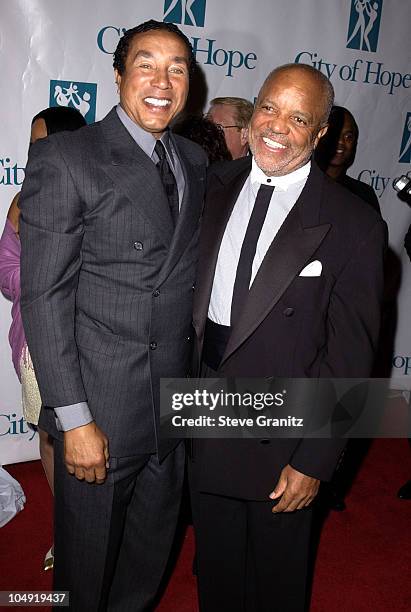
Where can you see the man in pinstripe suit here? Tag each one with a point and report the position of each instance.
(109, 239)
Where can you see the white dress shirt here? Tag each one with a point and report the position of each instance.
(286, 193)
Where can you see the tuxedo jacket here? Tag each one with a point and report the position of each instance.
(292, 325)
(107, 283)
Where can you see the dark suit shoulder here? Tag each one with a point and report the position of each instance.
(77, 138)
(63, 146)
(80, 146)
(226, 171)
(362, 190)
(353, 221)
(342, 205)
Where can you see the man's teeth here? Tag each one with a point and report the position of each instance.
(273, 144)
(158, 101)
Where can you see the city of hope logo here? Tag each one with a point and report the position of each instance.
(403, 363)
(81, 96)
(185, 12)
(10, 172)
(405, 151)
(364, 24)
(12, 425)
(207, 51)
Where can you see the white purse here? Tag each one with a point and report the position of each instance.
(12, 498)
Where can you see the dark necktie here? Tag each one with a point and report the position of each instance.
(249, 246)
(168, 180)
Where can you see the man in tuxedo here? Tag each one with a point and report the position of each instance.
(289, 285)
(109, 237)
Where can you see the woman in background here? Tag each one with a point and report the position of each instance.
(206, 134)
(46, 122)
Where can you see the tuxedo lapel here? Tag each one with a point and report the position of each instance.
(218, 209)
(294, 245)
(135, 175)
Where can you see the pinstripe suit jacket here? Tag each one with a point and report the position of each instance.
(107, 284)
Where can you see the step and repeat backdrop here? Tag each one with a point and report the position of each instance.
(56, 53)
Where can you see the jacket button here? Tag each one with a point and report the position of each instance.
(264, 441)
(193, 287)
(288, 312)
(153, 346)
(138, 246)
(156, 293)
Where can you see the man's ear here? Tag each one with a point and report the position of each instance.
(322, 132)
(244, 136)
(117, 77)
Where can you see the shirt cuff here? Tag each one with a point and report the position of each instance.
(72, 416)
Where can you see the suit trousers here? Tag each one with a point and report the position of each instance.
(112, 541)
(247, 558)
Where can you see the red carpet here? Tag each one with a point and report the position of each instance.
(364, 556)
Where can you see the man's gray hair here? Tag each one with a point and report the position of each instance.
(243, 108)
(325, 84)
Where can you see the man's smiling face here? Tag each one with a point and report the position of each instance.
(154, 85)
(287, 122)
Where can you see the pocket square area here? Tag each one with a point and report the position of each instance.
(314, 268)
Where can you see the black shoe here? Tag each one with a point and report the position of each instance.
(405, 491)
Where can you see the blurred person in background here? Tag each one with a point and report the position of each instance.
(46, 122)
(233, 116)
(336, 153)
(206, 134)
